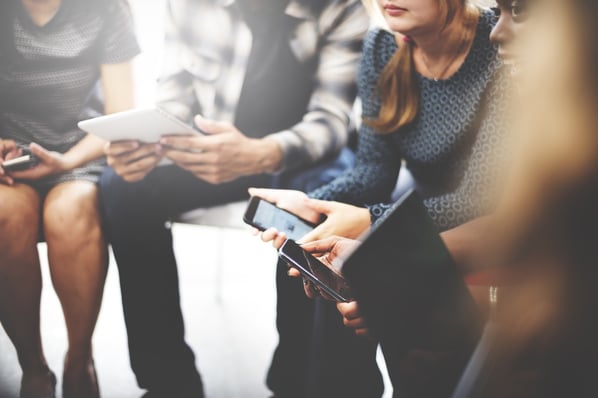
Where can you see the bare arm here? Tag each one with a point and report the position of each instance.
(118, 86)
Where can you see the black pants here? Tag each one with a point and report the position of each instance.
(135, 215)
(317, 356)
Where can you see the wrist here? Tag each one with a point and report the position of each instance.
(67, 162)
(269, 155)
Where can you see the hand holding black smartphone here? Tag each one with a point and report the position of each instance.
(263, 215)
(325, 278)
(26, 161)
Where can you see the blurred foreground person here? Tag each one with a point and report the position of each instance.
(546, 344)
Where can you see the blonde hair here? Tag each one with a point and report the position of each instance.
(398, 84)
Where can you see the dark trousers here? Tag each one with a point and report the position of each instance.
(317, 356)
(135, 215)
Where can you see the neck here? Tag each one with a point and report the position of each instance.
(439, 53)
(443, 41)
(41, 11)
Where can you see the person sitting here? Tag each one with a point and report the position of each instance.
(408, 82)
(274, 82)
(51, 76)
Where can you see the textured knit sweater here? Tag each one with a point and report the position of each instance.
(450, 148)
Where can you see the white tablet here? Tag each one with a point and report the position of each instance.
(144, 124)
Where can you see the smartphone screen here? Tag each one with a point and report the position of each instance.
(263, 215)
(317, 272)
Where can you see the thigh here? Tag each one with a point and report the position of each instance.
(19, 211)
(169, 190)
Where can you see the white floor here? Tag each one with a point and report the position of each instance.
(228, 299)
(228, 304)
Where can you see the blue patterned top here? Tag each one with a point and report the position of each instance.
(450, 148)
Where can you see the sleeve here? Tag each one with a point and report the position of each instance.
(119, 42)
(175, 85)
(378, 158)
(324, 129)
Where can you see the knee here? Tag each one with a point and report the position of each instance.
(73, 215)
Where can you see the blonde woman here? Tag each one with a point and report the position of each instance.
(61, 61)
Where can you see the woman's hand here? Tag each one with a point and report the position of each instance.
(290, 200)
(293, 201)
(50, 162)
(353, 319)
(341, 220)
(8, 150)
(331, 252)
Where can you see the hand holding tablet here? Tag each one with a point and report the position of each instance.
(146, 125)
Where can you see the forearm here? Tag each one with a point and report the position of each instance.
(86, 150)
(373, 178)
(469, 244)
(324, 129)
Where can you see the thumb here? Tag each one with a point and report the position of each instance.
(209, 126)
(42, 153)
(320, 206)
(267, 194)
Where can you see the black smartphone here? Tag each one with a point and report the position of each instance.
(263, 215)
(317, 272)
(26, 161)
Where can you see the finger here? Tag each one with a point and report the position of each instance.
(269, 234)
(318, 246)
(294, 273)
(134, 177)
(363, 332)
(356, 323)
(43, 154)
(211, 126)
(184, 143)
(7, 180)
(187, 158)
(310, 289)
(351, 310)
(321, 206)
(279, 240)
(132, 170)
(268, 194)
(124, 159)
(118, 148)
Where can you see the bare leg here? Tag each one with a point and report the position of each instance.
(20, 285)
(78, 257)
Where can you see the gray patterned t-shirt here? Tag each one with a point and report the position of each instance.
(49, 75)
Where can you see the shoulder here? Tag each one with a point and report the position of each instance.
(378, 48)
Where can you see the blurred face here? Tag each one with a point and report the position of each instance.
(412, 17)
(511, 21)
